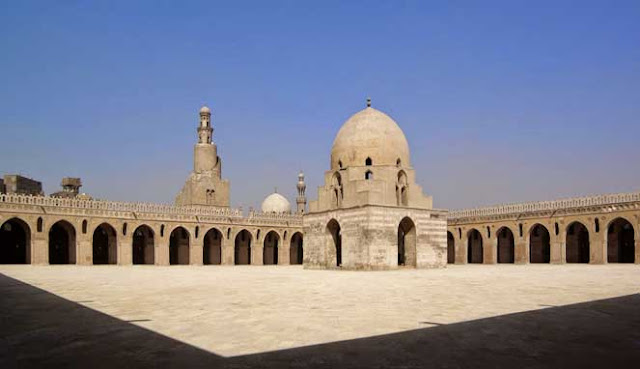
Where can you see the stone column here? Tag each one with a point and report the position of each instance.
(84, 248)
(196, 251)
(228, 251)
(257, 253)
(558, 248)
(125, 247)
(162, 250)
(284, 251)
(461, 249)
(39, 248)
(521, 250)
(490, 250)
(597, 247)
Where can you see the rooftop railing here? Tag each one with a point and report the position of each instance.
(529, 207)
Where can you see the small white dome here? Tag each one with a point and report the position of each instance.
(205, 110)
(276, 203)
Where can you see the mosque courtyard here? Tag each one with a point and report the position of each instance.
(284, 316)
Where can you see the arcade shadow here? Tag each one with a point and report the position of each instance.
(40, 329)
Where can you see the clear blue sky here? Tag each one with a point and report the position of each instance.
(500, 101)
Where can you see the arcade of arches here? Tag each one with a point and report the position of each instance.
(108, 242)
(594, 240)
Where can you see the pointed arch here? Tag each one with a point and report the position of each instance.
(62, 243)
(577, 241)
(475, 254)
(334, 234)
(270, 249)
(505, 245)
(242, 248)
(295, 249)
(539, 244)
(212, 250)
(620, 241)
(451, 248)
(15, 242)
(407, 242)
(143, 245)
(105, 245)
(179, 246)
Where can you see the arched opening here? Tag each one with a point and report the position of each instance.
(539, 245)
(336, 185)
(270, 249)
(451, 248)
(368, 162)
(407, 243)
(143, 246)
(333, 229)
(474, 247)
(401, 189)
(212, 247)
(398, 162)
(105, 245)
(15, 242)
(179, 247)
(620, 242)
(506, 246)
(368, 175)
(62, 243)
(242, 249)
(295, 249)
(577, 243)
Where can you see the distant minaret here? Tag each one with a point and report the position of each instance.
(205, 152)
(301, 200)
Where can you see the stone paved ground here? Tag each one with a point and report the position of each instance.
(233, 311)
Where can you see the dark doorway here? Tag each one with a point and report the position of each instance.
(620, 242)
(539, 245)
(333, 229)
(474, 247)
(577, 243)
(295, 251)
(451, 249)
(242, 249)
(105, 245)
(15, 242)
(62, 243)
(407, 243)
(143, 246)
(212, 247)
(270, 249)
(179, 247)
(506, 246)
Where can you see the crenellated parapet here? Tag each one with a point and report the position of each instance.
(268, 218)
(599, 203)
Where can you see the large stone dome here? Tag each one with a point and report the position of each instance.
(369, 133)
(276, 203)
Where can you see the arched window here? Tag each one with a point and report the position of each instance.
(398, 162)
(557, 229)
(124, 229)
(368, 175)
(39, 227)
(197, 231)
(488, 232)
(460, 233)
(368, 162)
(258, 235)
(162, 230)
(84, 226)
(597, 225)
(228, 233)
(340, 164)
(520, 229)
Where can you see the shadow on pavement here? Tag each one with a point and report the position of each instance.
(40, 329)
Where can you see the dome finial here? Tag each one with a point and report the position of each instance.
(275, 189)
(368, 102)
